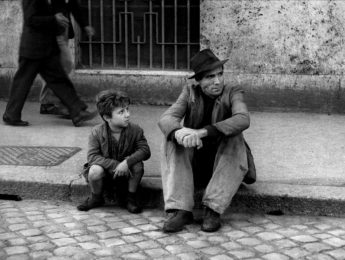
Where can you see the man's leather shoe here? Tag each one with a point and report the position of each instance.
(52, 109)
(211, 221)
(8, 121)
(177, 221)
(83, 116)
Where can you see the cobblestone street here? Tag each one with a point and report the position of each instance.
(56, 230)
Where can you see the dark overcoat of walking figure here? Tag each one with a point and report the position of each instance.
(49, 102)
(39, 54)
(208, 150)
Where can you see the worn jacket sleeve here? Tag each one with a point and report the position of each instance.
(34, 19)
(171, 119)
(239, 120)
(141, 150)
(95, 156)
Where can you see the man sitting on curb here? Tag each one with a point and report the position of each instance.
(208, 150)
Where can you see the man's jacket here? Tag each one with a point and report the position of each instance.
(38, 39)
(132, 145)
(230, 116)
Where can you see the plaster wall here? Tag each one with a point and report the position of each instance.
(276, 36)
(287, 54)
(10, 29)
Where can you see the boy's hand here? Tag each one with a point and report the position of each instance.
(122, 170)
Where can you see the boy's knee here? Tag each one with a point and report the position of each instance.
(96, 173)
(137, 169)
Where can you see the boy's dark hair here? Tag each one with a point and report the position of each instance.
(108, 100)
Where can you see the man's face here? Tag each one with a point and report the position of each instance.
(119, 118)
(212, 84)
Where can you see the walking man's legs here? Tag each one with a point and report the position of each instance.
(21, 85)
(57, 80)
(52, 72)
(50, 104)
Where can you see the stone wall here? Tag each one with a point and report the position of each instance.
(287, 54)
(277, 36)
(10, 28)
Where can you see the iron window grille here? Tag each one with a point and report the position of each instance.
(140, 34)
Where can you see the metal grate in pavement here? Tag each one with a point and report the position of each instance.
(35, 155)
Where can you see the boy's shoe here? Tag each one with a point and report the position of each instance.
(91, 203)
(132, 203)
(211, 221)
(177, 221)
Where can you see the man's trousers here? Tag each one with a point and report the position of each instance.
(229, 168)
(47, 96)
(56, 79)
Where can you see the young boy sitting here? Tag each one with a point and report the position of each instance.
(117, 149)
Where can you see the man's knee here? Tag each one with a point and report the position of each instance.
(96, 173)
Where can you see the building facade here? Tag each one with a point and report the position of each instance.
(287, 54)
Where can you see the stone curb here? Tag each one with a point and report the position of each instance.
(257, 197)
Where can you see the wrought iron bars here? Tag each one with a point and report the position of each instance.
(141, 34)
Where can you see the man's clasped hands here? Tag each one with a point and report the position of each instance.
(188, 137)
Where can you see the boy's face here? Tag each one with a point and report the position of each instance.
(120, 118)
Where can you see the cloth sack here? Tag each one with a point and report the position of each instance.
(66, 58)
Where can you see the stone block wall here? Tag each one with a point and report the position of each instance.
(287, 53)
(276, 36)
(10, 28)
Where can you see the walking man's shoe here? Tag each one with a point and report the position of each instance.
(8, 121)
(83, 116)
(52, 109)
(211, 221)
(177, 221)
(94, 202)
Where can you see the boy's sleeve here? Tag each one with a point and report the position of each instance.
(142, 149)
(95, 157)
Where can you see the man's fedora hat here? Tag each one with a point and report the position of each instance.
(205, 60)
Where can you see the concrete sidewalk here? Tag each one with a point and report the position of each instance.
(299, 159)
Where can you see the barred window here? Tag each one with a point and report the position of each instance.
(140, 34)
